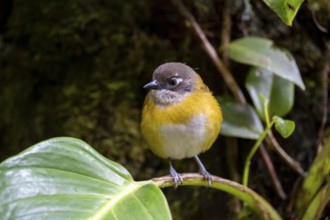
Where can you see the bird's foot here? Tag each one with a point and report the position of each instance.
(203, 171)
(176, 176)
(207, 176)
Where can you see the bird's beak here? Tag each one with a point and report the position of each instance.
(152, 85)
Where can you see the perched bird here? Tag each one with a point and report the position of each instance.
(180, 117)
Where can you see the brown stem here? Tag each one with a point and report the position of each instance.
(317, 24)
(227, 76)
(295, 165)
(271, 170)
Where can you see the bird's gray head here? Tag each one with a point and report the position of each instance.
(176, 77)
(171, 82)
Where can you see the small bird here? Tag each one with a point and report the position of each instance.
(180, 116)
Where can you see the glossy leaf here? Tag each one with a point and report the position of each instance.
(240, 121)
(261, 52)
(284, 127)
(278, 91)
(314, 193)
(285, 9)
(64, 178)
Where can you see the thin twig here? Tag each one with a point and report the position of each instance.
(227, 76)
(295, 165)
(277, 184)
(317, 24)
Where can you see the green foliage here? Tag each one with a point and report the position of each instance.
(76, 69)
(64, 178)
(318, 204)
(284, 127)
(271, 89)
(261, 52)
(272, 92)
(240, 121)
(314, 193)
(285, 9)
(263, 85)
(270, 86)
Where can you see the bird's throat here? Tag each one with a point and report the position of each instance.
(165, 97)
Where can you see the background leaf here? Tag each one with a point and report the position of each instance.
(285, 9)
(284, 127)
(281, 97)
(64, 178)
(318, 203)
(312, 195)
(278, 91)
(240, 121)
(261, 52)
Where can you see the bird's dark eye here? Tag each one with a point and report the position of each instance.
(174, 81)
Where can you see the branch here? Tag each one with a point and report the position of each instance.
(251, 198)
(295, 165)
(273, 175)
(227, 76)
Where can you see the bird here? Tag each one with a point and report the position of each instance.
(180, 117)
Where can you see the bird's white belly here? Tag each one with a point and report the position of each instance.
(185, 140)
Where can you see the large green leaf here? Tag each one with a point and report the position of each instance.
(240, 121)
(262, 84)
(285, 9)
(261, 52)
(64, 178)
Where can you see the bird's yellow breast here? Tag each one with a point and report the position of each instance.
(182, 129)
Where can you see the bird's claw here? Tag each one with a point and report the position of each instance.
(207, 176)
(203, 171)
(176, 176)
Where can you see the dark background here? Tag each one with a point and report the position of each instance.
(76, 68)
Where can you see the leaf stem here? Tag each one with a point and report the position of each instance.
(266, 102)
(252, 152)
(295, 165)
(257, 144)
(272, 172)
